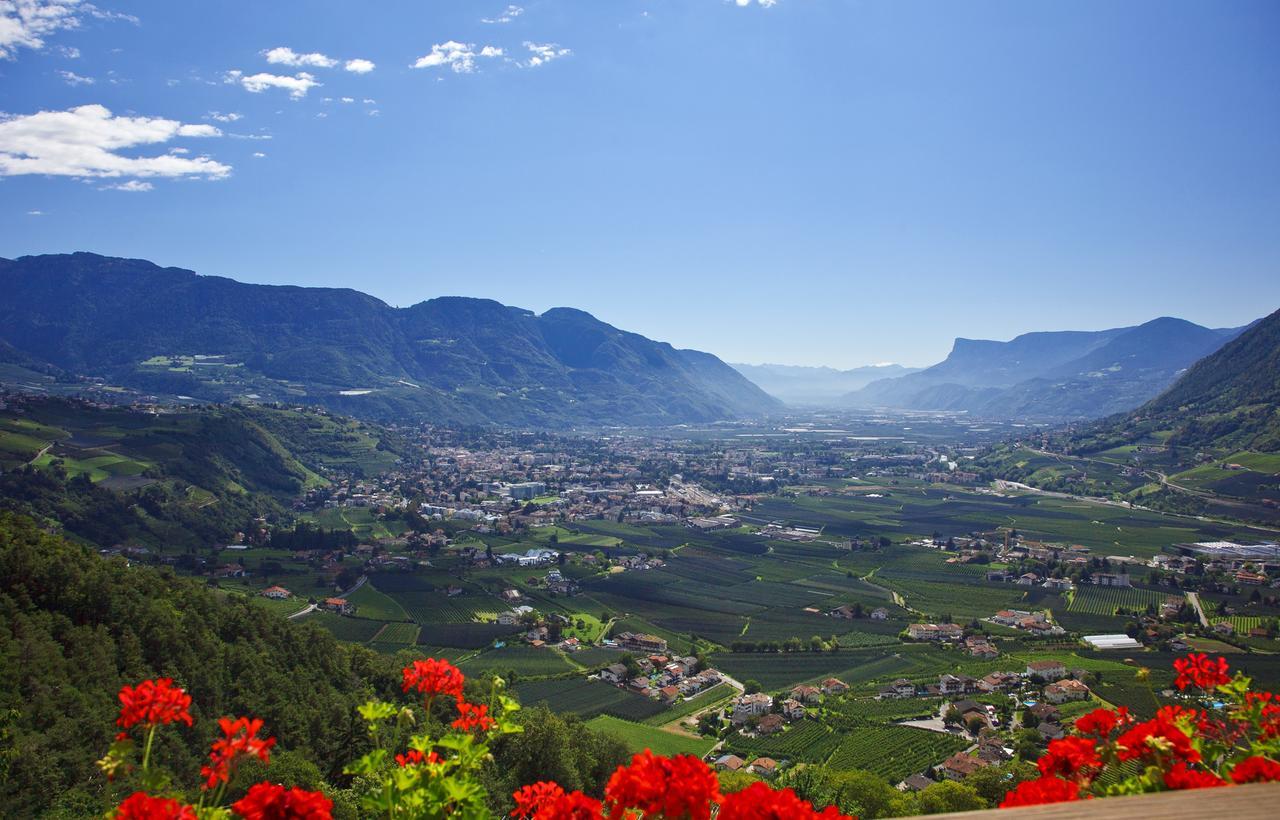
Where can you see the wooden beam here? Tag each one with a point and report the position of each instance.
(1260, 801)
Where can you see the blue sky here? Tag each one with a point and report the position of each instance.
(802, 181)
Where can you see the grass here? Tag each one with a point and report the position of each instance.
(370, 603)
(638, 737)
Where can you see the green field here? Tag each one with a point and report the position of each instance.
(638, 737)
(525, 661)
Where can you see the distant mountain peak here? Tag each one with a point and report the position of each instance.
(452, 359)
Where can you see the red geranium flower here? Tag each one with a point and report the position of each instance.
(153, 702)
(471, 716)
(1101, 722)
(1180, 777)
(142, 806)
(529, 799)
(759, 802)
(1161, 734)
(571, 806)
(1256, 770)
(1039, 792)
(413, 757)
(240, 737)
(1270, 715)
(433, 677)
(1069, 757)
(268, 801)
(672, 787)
(1197, 669)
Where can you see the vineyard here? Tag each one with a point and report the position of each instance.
(397, 633)
(807, 740)
(436, 608)
(587, 698)
(1093, 600)
(894, 752)
(355, 630)
(525, 661)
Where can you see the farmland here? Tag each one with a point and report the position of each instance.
(587, 698)
(1106, 600)
(893, 751)
(806, 740)
(638, 737)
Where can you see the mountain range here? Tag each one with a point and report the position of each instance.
(820, 386)
(1227, 401)
(1053, 375)
(450, 360)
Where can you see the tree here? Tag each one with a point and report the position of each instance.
(948, 796)
(731, 782)
(994, 782)
(750, 687)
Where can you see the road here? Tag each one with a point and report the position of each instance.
(1194, 599)
(344, 594)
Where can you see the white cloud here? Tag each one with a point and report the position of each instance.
(72, 78)
(132, 186)
(283, 55)
(230, 116)
(508, 14)
(742, 4)
(369, 101)
(258, 155)
(85, 141)
(359, 66)
(297, 85)
(543, 53)
(35, 213)
(70, 52)
(348, 99)
(26, 23)
(461, 57)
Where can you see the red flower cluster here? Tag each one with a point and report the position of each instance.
(1196, 669)
(240, 737)
(433, 677)
(1101, 722)
(142, 806)
(471, 716)
(1160, 735)
(1181, 777)
(1256, 770)
(1268, 712)
(1038, 792)
(154, 702)
(1072, 758)
(547, 801)
(413, 757)
(267, 801)
(679, 786)
(759, 802)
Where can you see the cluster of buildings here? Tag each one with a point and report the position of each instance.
(1036, 623)
(663, 677)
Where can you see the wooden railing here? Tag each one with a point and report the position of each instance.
(1257, 802)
